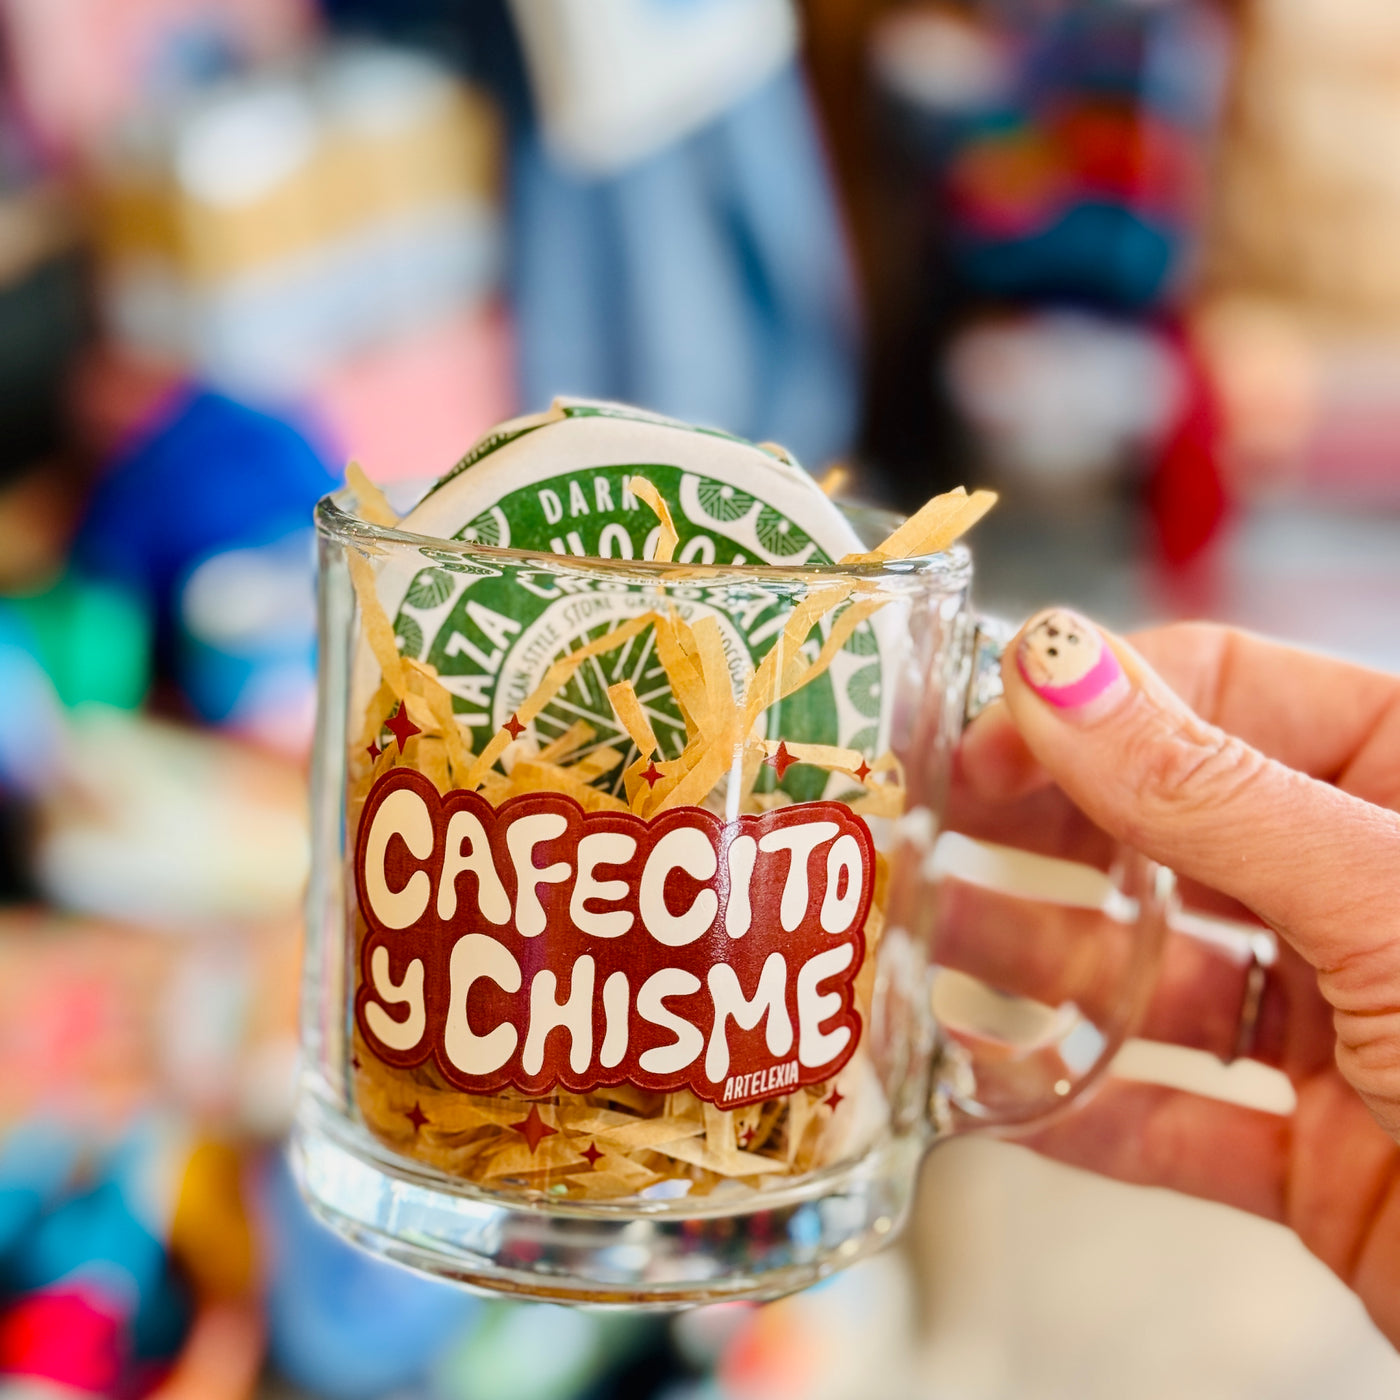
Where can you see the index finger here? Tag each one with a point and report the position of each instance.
(1312, 713)
(1313, 862)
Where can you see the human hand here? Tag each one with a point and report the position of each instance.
(1269, 779)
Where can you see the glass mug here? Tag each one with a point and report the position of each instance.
(619, 1031)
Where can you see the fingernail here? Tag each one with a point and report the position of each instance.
(1064, 658)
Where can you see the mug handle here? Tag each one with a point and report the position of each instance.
(1053, 966)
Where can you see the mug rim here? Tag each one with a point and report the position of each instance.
(948, 570)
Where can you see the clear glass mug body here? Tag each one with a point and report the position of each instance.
(777, 1192)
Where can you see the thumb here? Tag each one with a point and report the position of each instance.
(1317, 865)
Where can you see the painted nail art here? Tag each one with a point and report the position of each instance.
(1065, 660)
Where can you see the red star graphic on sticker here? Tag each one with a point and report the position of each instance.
(782, 760)
(417, 1117)
(373, 750)
(747, 1136)
(401, 727)
(653, 775)
(833, 1098)
(863, 772)
(534, 1129)
(592, 1156)
(515, 729)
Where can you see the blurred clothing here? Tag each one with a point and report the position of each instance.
(709, 282)
(209, 476)
(616, 81)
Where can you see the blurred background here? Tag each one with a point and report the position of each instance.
(1132, 262)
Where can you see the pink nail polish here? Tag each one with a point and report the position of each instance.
(1063, 658)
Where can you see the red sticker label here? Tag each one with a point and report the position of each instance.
(543, 947)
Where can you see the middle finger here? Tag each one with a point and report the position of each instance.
(1057, 954)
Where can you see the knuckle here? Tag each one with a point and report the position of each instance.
(1360, 985)
(1182, 767)
(1368, 1051)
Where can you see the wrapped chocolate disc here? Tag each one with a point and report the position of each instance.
(562, 481)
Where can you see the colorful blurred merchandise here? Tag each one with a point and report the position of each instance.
(106, 1023)
(166, 826)
(849, 1337)
(543, 1351)
(1307, 214)
(1309, 407)
(127, 1264)
(29, 742)
(92, 1300)
(92, 638)
(1068, 156)
(78, 66)
(203, 520)
(208, 474)
(405, 410)
(75, 644)
(1300, 329)
(343, 1324)
(265, 229)
(132, 1065)
(1061, 401)
(1067, 406)
(245, 652)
